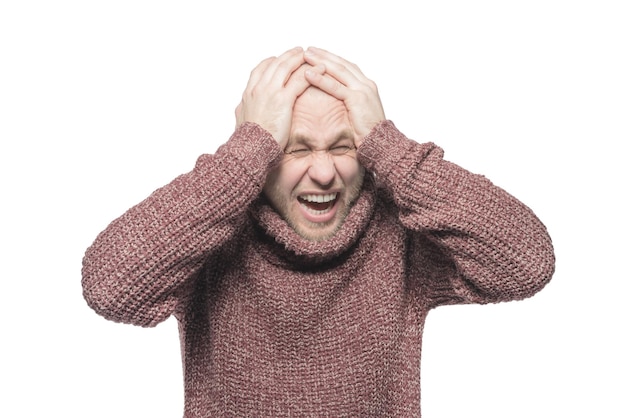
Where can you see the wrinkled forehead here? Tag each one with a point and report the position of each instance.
(319, 116)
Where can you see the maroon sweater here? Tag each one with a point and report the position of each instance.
(274, 325)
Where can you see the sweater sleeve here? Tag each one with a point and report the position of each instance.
(481, 244)
(137, 268)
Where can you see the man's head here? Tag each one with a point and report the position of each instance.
(319, 176)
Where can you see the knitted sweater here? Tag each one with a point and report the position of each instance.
(272, 324)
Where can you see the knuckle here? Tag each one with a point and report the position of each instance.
(362, 96)
(284, 67)
(253, 91)
(334, 86)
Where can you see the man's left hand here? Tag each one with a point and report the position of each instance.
(345, 81)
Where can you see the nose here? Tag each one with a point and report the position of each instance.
(322, 168)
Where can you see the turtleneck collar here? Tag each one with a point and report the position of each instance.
(281, 244)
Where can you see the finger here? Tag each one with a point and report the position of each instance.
(327, 83)
(344, 71)
(330, 57)
(258, 71)
(265, 70)
(297, 83)
(279, 70)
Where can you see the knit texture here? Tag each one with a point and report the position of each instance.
(272, 324)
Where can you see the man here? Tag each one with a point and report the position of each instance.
(302, 258)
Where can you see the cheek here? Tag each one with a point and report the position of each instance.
(349, 170)
(283, 179)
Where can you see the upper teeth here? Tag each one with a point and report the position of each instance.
(319, 198)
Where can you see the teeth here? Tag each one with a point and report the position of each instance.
(318, 198)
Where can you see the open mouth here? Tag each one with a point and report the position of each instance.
(318, 204)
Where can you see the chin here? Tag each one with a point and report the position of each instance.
(318, 232)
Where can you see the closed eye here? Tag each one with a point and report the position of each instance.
(336, 150)
(298, 152)
(340, 149)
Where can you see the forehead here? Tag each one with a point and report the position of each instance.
(319, 118)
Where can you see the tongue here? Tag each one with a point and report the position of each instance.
(317, 206)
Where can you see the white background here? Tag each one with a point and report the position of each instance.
(101, 102)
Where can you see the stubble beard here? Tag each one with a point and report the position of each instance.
(305, 228)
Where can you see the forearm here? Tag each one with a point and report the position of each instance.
(499, 247)
(136, 268)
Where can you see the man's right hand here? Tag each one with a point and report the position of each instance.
(272, 90)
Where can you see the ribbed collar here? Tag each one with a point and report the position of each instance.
(282, 245)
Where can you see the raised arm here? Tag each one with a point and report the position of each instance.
(490, 246)
(137, 267)
(141, 267)
(499, 249)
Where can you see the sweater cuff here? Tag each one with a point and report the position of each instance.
(391, 156)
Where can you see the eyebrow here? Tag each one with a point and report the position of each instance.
(345, 134)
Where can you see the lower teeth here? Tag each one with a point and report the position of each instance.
(317, 208)
(318, 212)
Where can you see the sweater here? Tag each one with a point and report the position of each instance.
(272, 324)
